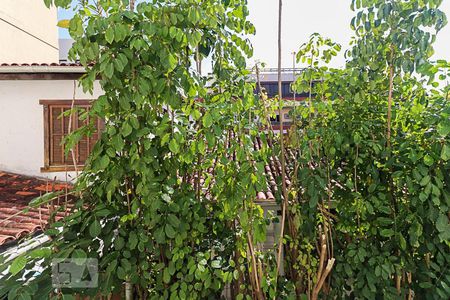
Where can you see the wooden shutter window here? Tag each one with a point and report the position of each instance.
(56, 127)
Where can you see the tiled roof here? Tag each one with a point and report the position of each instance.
(16, 192)
(273, 175)
(40, 65)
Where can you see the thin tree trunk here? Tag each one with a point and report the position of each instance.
(263, 99)
(293, 72)
(254, 278)
(198, 61)
(397, 278)
(391, 87)
(283, 162)
(69, 129)
(128, 290)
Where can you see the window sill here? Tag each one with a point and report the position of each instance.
(50, 169)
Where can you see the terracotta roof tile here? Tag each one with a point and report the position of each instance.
(273, 175)
(16, 192)
(41, 65)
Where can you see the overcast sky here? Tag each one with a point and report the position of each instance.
(331, 18)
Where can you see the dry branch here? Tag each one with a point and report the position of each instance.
(324, 270)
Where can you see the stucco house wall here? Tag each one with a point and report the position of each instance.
(22, 122)
(28, 32)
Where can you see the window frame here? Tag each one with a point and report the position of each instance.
(48, 166)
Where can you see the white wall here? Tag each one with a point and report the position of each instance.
(35, 18)
(21, 122)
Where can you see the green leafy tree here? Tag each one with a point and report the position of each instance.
(166, 199)
(373, 163)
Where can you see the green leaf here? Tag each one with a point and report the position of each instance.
(444, 128)
(442, 223)
(166, 275)
(170, 232)
(41, 253)
(165, 139)
(429, 161)
(171, 62)
(103, 162)
(196, 114)
(121, 273)
(132, 240)
(48, 3)
(24, 295)
(109, 35)
(445, 154)
(372, 188)
(44, 199)
(79, 253)
(207, 120)
(216, 264)
(118, 142)
(402, 241)
(52, 232)
(126, 129)
(211, 139)
(425, 180)
(119, 65)
(119, 242)
(109, 70)
(387, 232)
(173, 220)
(385, 221)
(357, 138)
(173, 146)
(426, 285)
(95, 228)
(18, 264)
(236, 274)
(160, 236)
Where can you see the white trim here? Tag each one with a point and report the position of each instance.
(42, 69)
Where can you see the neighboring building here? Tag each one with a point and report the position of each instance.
(64, 47)
(28, 32)
(32, 161)
(32, 97)
(268, 79)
